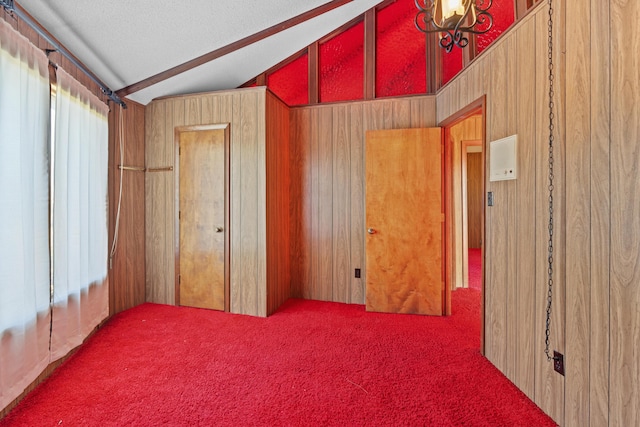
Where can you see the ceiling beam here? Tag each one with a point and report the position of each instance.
(232, 47)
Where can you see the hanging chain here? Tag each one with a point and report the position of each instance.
(551, 139)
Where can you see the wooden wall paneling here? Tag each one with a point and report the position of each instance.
(511, 283)
(193, 111)
(442, 110)
(578, 219)
(341, 204)
(402, 113)
(277, 200)
(625, 222)
(475, 87)
(285, 184)
(127, 275)
(600, 101)
(463, 89)
(245, 110)
(388, 118)
(357, 204)
(250, 216)
(300, 208)
(422, 112)
(374, 116)
(272, 204)
(497, 217)
(325, 201)
(318, 162)
(226, 110)
(526, 210)
(260, 250)
(454, 95)
(549, 386)
(172, 232)
(210, 109)
(313, 291)
(155, 207)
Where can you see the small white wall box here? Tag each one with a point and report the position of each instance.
(502, 158)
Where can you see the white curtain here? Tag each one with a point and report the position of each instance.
(24, 213)
(80, 151)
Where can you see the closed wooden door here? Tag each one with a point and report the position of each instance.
(405, 221)
(202, 218)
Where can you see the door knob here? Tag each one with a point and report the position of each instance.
(219, 229)
(371, 231)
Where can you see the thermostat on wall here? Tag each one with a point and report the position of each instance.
(502, 158)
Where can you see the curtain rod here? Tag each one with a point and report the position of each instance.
(11, 7)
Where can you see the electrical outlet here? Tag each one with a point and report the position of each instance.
(558, 362)
(357, 273)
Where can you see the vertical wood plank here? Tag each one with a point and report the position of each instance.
(549, 387)
(600, 100)
(357, 204)
(127, 276)
(244, 108)
(300, 166)
(625, 221)
(578, 220)
(313, 291)
(496, 305)
(526, 210)
(257, 114)
(225, 113)
(401, 113)
(340, 202)
(325, 210)
(512, 230)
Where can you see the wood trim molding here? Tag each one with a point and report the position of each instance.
(370, 54)
(434, 63)
(314, 87)
(232, 47)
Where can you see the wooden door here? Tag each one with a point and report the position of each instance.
(202, 218)
(405, 221)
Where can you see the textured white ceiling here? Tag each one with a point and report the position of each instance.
(124, 41)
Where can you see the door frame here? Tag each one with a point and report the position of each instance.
(476, 107)
(227, 229)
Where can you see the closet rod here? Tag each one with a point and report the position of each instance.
(11, 7)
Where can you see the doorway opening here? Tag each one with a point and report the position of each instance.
(464, 135)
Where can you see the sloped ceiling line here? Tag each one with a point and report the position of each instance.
(232, 47)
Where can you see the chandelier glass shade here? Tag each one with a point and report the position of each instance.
(452, 19)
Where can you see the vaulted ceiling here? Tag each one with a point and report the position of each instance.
(125, 42)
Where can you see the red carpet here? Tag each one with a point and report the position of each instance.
(312, 363)
(475, 268)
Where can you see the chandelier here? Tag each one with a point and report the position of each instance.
(453, 18)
